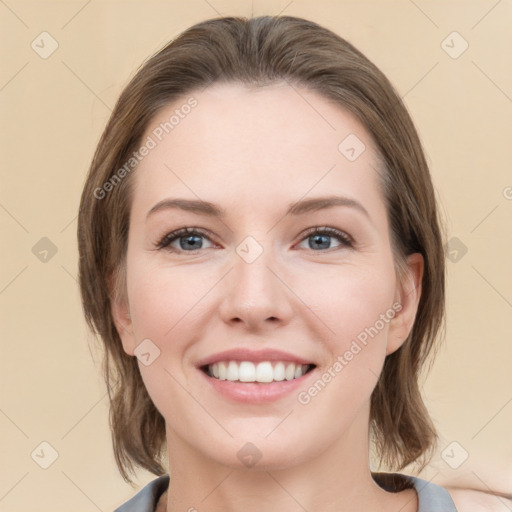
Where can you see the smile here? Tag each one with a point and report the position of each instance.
(261, 372)
(256, 383)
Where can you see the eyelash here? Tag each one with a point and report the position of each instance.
(342, 237)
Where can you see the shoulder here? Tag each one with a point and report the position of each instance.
(472, 500)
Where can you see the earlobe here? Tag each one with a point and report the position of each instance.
(408, 295)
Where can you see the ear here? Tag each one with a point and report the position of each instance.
(120, 309)
(408, 295)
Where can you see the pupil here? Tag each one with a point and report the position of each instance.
(190, 241)
(318, 239)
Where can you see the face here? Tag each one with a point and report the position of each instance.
(267, 280)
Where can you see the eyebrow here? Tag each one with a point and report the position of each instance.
(298, 208)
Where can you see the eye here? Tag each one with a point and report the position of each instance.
(319, 238)
(189, 240)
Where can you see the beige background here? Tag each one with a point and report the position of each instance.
(53, 111)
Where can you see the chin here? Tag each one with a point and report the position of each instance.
(257, 453)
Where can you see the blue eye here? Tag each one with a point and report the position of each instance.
(319, 238)
(188, 238)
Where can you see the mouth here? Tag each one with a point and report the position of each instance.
(262, 372)
(255, 376)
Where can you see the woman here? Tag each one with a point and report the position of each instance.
(261, 254)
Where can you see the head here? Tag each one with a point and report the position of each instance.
(249, 115)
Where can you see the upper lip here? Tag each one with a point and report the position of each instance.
(243, 354)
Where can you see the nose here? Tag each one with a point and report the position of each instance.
(255, 296)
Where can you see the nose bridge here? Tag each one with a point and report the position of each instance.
(255, 295)
(252, 269)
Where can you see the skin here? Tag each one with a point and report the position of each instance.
(253, 152)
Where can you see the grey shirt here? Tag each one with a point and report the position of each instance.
(431, 497)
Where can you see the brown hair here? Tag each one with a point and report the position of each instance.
(257, 52)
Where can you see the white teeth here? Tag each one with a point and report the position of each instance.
(264, 372)
(290, 372)
(222, 371)
(279, 371)
(232, 372)
(247, 371)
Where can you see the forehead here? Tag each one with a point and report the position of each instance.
(238, 142)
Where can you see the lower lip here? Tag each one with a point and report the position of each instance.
(256, 392)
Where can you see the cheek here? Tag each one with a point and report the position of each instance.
(358, 311)
(162, 300)
(348, 300)
(164, 308)
(356, 304)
